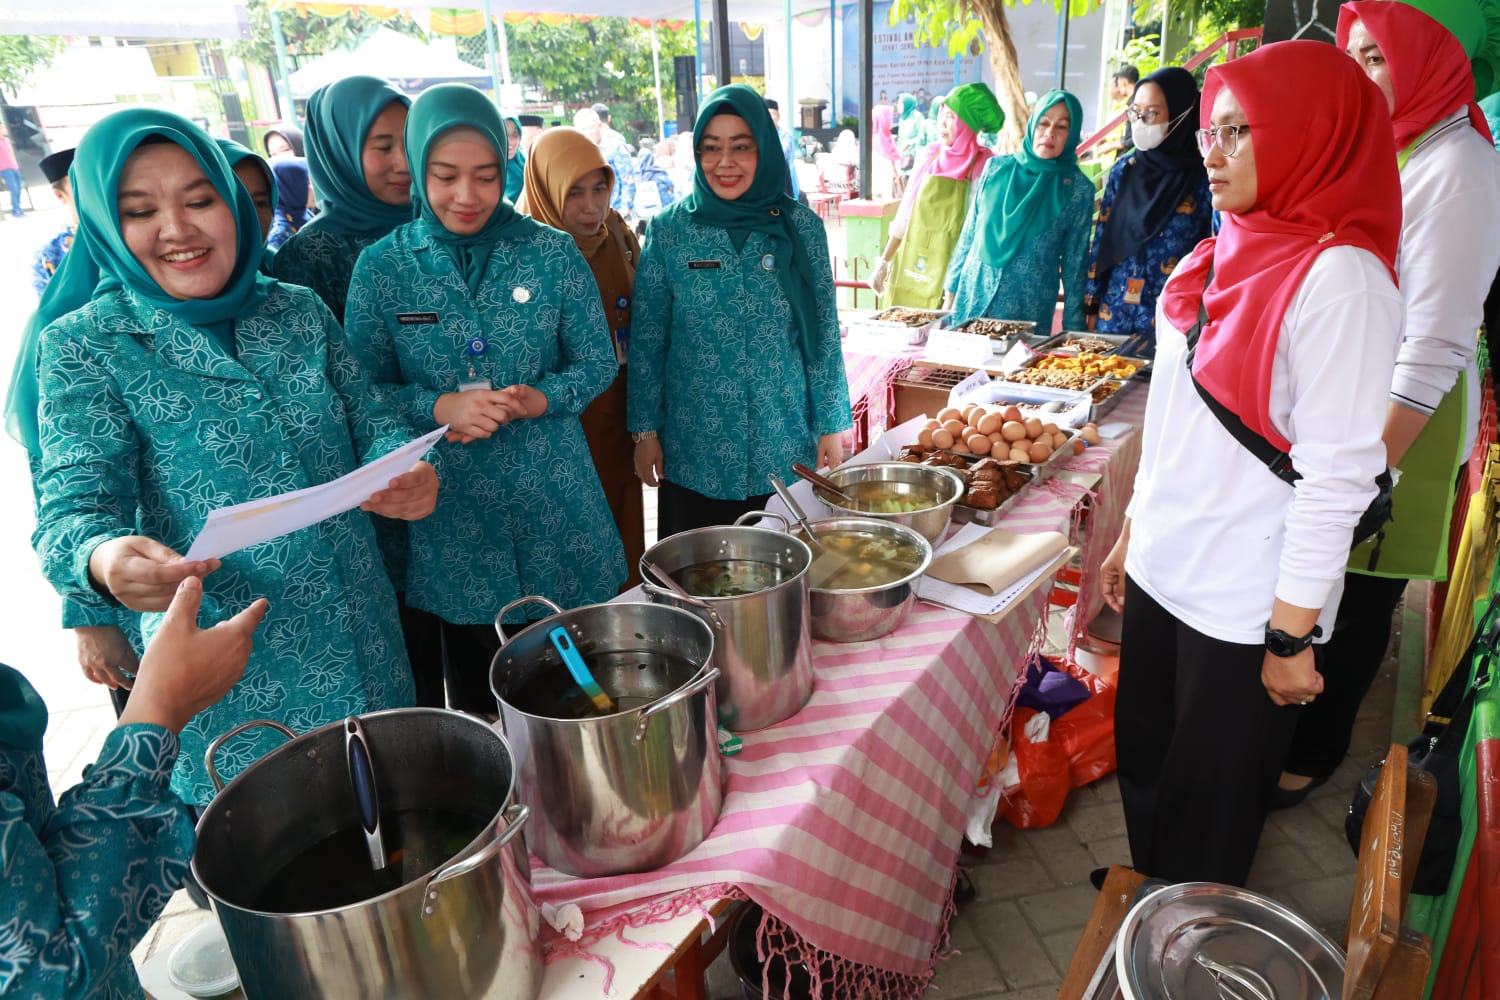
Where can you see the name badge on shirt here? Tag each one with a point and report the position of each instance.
(704, 265)
(1133, 289)
(474, 383)
(416, 319)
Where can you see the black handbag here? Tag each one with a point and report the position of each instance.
(1371, 522)
(1437, 752)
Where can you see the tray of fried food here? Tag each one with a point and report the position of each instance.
(998, 329)
(990, 485)
(910, 317)
(1110, 366)
(1081, 342)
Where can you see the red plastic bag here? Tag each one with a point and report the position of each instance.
(1086, 733)
(1042, 766)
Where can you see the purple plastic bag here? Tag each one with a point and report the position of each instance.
(1047, 689)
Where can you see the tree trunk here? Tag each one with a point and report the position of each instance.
(1007, 69)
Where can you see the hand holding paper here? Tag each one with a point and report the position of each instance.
(230, 529)
(411, 496)
(142, 573)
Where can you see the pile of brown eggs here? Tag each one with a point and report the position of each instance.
(1001, 431)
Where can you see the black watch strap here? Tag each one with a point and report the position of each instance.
(1280, 643)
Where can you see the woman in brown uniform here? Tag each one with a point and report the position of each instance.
(568, 187)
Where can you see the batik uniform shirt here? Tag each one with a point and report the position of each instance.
(1026, 288)
(49, 258)
(148, 424)
(521, 512)
(1127, 305)
(617, 155)
(716, 367)
(87, 877)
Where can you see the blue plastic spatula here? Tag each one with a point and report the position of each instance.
(563, 643)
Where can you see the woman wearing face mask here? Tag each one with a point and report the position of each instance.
(735, 366)
(206, 384)
(1450, 249)
(1155, 210)
(932, 212)
(1288, 321)
(568, 187)
(1028, 227)
(476, 317)
(515, 161)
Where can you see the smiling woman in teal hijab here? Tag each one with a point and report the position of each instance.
(515, 164)
(190, 382)
(484, 320)
(734, 287)
(358, 166)
(1028, 227)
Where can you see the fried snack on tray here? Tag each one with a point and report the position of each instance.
(910, 317)
(997, 329)
(1087, 363)
(1076, 381)
(988, 482)
(1086, 345)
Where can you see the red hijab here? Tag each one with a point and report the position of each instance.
(1326, 174)
(1430, 73)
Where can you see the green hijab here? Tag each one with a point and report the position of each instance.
(339, 117)
(23, 716)
(763, 208)
(515, 169)
(99, 261)
(237, 154)
(438, 109)
(1028, 193)
(906, 106)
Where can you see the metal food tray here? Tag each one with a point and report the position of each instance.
(1038, 471)
(1053, 344)
(1099, 409)
(978, 515)
(918, 334)
(1049, 346)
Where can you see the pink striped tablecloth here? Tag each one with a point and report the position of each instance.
(844, 821)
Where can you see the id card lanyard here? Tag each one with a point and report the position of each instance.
(473, 351)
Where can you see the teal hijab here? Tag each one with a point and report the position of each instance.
(237, 154)
(763, 208)
(99, 261)
(444, 107)
(23, 716)
(1028, 192)
(515, 169)
(906, 106)
(339, 117)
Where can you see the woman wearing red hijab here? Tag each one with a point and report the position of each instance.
(1226, 573)
(1450, 249)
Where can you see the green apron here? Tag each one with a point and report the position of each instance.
(1415, 542)
(1415, 546)
(921, 264)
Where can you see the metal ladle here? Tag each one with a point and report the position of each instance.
(828, 562)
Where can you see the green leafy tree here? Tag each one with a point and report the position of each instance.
(967, 27)
(604, 60)
(23, 55)
(310, 36)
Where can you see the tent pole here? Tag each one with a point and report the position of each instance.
(792, 119)
(283, 76)
(489, 37)
(721, 44)
(503, 37)
(866, 93)
(835, 73)
(1062, 45)
(698, 44)
(661, 118)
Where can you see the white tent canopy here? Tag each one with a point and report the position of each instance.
(157, 19)
(408, 62)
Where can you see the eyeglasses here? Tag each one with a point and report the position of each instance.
(1226, 137)
(741, 153)
(1148, 115)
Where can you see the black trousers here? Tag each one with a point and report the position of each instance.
(1351, 659)
(681, 509)
(467, 652)
(1200, 746)
(423, 634)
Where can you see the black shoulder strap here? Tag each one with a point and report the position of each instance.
(1272, 457)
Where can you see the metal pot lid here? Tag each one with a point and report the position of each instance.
(1203, 940)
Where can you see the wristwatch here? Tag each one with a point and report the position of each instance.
(639, 436)
(1279, 643)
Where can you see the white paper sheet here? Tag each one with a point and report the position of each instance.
(230, 529)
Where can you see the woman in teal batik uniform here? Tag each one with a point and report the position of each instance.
(481, 319)
(358, 164)
(89, 874)
(1028, 227)
(736, 371)
(191, 382)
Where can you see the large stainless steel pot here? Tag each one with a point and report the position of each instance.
(762, 644)
(467, 928)
(628, 792)
(866, 613)
(903, 479)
